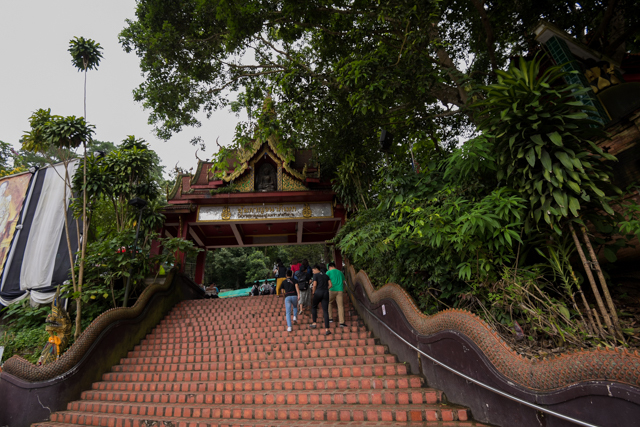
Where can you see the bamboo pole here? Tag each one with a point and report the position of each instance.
(592, 281)
(586, 306)
(603, 282)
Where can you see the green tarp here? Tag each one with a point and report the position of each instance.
(236, 293)
(242, 292)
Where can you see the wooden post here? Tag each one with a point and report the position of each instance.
(200, 264)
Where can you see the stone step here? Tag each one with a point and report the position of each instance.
(174, 382)
(190, 355)
(203, 412)
(272, 363)
(246, 319)
(198, 372)
(232, 363)
(279, 337)
(415, 396)
(321, 341)
(216, 328)
(187, 422)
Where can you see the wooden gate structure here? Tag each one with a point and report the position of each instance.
(268, 196)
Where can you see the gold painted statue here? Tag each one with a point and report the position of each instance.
(58, 325)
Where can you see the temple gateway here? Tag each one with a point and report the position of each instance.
(268, 196)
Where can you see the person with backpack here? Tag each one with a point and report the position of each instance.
(320, 288)
(291, 294)
(303, 277)
(336, 293)
(255, 289)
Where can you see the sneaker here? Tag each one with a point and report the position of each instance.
(331, 321)
(343, 325)
(327, 333)
(295, 318)
(313, 326)
(289, 329)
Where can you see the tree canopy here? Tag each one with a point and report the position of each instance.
(341, 70)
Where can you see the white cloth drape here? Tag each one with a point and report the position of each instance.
(46, 230)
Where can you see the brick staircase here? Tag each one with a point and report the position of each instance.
(230, 362)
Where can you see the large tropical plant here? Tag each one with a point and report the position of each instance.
(545, 148)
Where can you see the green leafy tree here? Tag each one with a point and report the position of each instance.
(340, 70)
(6, 155)
(257, 266)
(460, 230)
(61, 135)
(131, 170)
(229, 267)
(86, 55)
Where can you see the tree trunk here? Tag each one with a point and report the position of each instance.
(603, 283)
(66, 227)
(83, 241)
(85, 227)
(594, 287)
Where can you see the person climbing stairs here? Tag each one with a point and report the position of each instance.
(231, 362)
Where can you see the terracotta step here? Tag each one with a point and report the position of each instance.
(243, 319)
(249, 328)
(203, 412)
(169, 382)
(271, 363)
(320, 342)
(187, 422)
(199, 372)
(232, 363)
(415, 396)
(191, 355)
(298, 329)
(259, 338)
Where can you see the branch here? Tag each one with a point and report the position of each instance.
(608, 14)
(234, 80)
(229, 64)
(579, 29)
(406, 33)
(479, 5)
(623, 37)
(446, 62)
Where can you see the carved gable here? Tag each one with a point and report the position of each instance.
(264, 169)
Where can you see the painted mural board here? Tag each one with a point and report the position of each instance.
(13, 190)
(263, 211)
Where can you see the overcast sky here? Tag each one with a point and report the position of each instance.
(36, 72)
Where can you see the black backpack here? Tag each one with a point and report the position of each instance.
(303, 279)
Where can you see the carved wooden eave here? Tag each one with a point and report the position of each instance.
(293, 174)
(249, 157)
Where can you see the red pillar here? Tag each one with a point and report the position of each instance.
(156, 247)
(200, 263)
(183, 233)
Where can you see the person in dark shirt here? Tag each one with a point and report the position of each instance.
(255, 290)
(291, 294)
(320, 287)
(304, 278)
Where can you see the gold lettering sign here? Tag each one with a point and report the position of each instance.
(259, 212)
(226, 213)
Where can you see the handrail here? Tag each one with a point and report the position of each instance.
(473, 380)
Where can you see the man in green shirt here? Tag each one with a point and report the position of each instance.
(336, 293)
